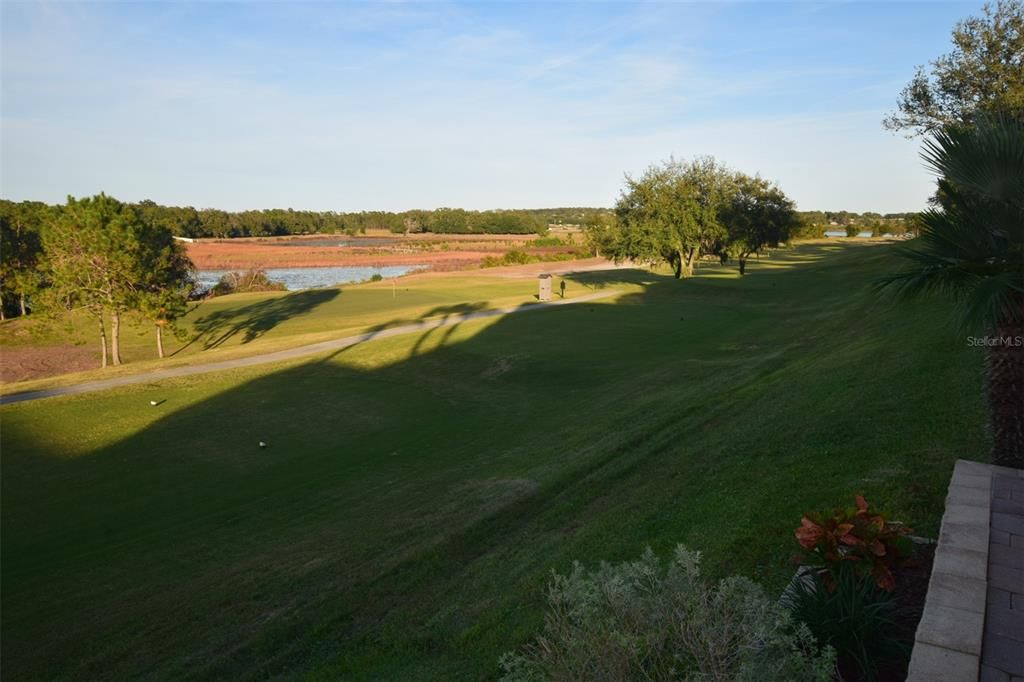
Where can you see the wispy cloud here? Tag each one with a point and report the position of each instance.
(360, 106)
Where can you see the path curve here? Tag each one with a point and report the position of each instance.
(290, 353)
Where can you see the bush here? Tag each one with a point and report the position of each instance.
(644, 620)
(807, 230)
(241, 282)
(510, 258)
(516, 258)
(377, 277)
(856, 618)
(855, 537)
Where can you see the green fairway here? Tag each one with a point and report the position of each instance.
(416, 491)
(246, 324)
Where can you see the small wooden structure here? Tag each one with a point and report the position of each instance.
(544, 291)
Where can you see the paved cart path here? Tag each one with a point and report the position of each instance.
(290, 353)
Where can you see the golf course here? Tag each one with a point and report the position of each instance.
(242, 325)
(416, 491)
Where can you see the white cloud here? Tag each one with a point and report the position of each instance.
(454, 110)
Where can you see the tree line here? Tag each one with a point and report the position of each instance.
(814, 224)
(25, 272)
(210, 222)
(186, 221)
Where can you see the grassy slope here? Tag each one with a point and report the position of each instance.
(248, 324)
(417, 491)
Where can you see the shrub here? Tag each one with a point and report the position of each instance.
(809, 230)
(515, 257)
(645, 620)
(376, 277)
(240, 282)
(856, 618)
(855, 537)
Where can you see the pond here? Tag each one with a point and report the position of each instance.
(842, 233)
(297, 279)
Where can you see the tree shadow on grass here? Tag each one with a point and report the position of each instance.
(398, 503)
(450, 316)
(602, 279)
(252, 321)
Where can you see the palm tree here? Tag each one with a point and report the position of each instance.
(971, 248)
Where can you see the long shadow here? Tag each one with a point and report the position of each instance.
(431, 320)
(602, 279)
(445, 314)
(774, 270)
(252, 321)
(416, 504)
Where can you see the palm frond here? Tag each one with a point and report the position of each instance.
(985, 159)
(972, 250)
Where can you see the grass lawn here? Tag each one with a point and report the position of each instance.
(417, 491)
(247, 324)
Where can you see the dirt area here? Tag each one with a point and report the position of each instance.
(22, 363)
(439, 252)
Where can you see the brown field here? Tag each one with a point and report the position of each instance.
(439, 252)
(22, 363)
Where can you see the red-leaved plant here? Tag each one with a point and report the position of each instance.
(856, 538)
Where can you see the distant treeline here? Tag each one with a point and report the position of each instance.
(814, 224)
(210, 222)
(24, 265)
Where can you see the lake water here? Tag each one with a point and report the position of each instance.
(297, 279)
(842, 233)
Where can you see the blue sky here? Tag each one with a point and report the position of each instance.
(393, 106)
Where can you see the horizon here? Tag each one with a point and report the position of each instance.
(498, 209)
(393, 107)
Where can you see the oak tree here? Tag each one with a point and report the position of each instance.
(672, 213)
(983, 73)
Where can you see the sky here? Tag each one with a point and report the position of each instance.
(394, 106)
